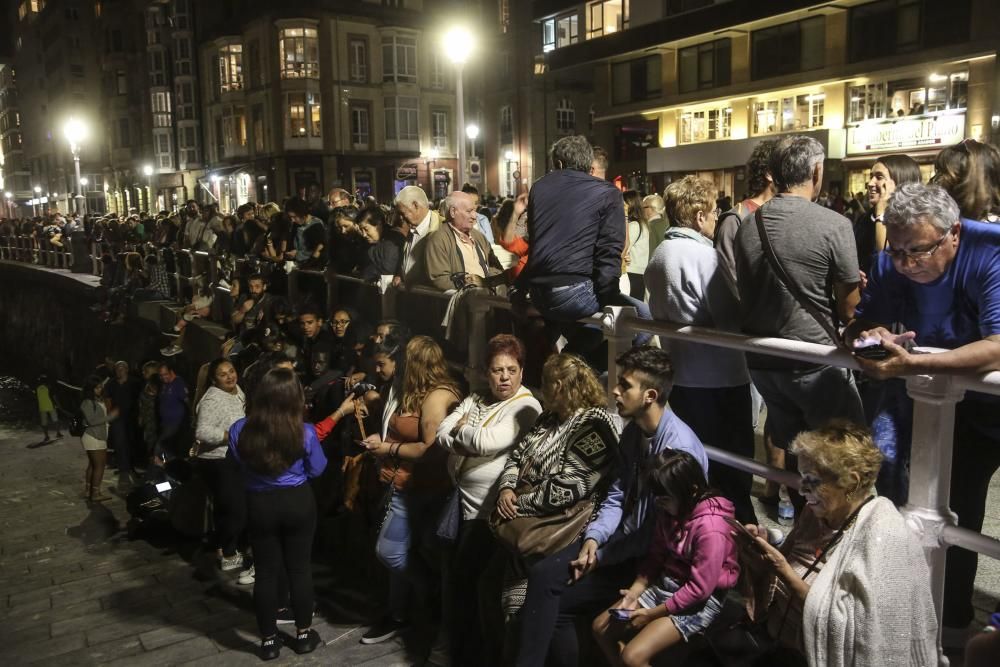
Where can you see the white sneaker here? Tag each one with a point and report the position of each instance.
(246, 577)
(228, 563)
(171, 350)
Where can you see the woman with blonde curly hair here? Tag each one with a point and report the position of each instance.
(421, 395)
(565, 459)
(850, 584)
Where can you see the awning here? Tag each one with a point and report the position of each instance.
(225, 172)
(709, 155)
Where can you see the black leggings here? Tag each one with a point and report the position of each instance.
(282, 524)
(229, 506)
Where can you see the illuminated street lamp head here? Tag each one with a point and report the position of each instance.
(509, 156)
(8, 195)
(84, 181)
(75, 131)
(472, 131)
(216, 178)
(38, 189)
(458, 44)
(147, 170)
(432, 154)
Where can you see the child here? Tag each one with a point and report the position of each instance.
(681, 585)
(46, 409)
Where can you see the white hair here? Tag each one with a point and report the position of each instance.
(916, 203)
(410, 195)
(655, 202)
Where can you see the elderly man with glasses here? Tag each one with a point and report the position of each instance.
(937, 284)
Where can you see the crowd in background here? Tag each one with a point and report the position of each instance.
(512, 518)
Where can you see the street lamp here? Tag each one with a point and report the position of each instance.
(38, 200)
(147, 170)
(432, 155)
(458, 45)
(10, 206)
(76, 132)
(472, 132)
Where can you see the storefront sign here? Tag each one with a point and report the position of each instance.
(937, 131)
(407, 172)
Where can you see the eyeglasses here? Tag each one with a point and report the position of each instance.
(341, 321)
(916, 256)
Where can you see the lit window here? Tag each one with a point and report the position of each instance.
(231, 68)
(705, 125)
(788, 114)
(298, 52)
(559, 32)
(360, 129)
(606, 17)
(304, 118)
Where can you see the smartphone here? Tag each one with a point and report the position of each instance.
(740, 528)
(875, 352)
(620, 614)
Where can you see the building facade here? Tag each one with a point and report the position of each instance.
(690, 86)
(350, 94)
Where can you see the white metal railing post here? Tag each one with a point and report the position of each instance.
(927, 508)
(619, 337)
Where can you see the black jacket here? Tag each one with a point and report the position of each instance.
(576, 227)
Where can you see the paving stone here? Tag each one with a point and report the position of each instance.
(44, 650)
(181, 652)
(165, 636)
(102, 653)
(120, 629)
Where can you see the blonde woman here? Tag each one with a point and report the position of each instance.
(421, 395)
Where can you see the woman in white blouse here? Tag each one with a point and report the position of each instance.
(479, 434)
(222, 405)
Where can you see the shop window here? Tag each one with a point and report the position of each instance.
(635, 80)
(357, 56)
(606, 16)
(231, 68)
(788, 114)
(565, 117)
(705, 66)
(303, 112)
(439, 130)
(789, 48)
(399, 59)
(298, 52)
(705, 125)
(914, 96)
(360, 128)
(401, 119)
(635, 138)
(559, 32)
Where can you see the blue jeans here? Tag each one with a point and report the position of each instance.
(565, 305)
(407, 527)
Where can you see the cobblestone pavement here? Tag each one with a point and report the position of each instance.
(75, 590)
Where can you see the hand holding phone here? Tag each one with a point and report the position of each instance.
(620, 614)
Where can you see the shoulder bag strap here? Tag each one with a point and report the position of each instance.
(786, 280)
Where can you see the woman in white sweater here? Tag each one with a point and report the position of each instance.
(711, 392)
(222, 405)
(479, 434)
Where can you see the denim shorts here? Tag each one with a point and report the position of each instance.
(694, 620)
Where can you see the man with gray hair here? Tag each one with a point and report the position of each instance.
(937, 284)
(797, 274)
(419, 222)
(655, 210)
(576, 223)
(458, 254)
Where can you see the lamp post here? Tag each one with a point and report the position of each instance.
(10, 206)
(458, 46)
(38, 200)
(147, 171)
(432, 155)
(76, 132)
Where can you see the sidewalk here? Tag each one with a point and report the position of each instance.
(74, 590)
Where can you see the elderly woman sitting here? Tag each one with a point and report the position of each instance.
(479, 434)
(850, 585)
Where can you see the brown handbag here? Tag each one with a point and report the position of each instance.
(540, 536)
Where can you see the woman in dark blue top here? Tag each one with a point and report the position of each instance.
(278, 454)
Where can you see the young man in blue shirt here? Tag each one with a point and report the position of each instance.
(586, 576)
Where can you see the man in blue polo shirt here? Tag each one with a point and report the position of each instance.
(938, 281)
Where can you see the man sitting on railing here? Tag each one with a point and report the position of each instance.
(938, 281)
(797, 273)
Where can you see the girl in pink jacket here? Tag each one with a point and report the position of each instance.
(692, 562)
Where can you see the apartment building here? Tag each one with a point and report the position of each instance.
(690, 86)
(349, 94)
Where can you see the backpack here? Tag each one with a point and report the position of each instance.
(77, 422)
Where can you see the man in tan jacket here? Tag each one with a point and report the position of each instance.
(459, 254)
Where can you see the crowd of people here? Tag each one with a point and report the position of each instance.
(510, 519)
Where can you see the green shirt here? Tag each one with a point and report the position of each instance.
(44, 400)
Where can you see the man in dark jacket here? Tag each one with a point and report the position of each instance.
(576, 224)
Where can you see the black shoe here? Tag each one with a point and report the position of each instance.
(270, 648)
(306, 643)
(384, 630)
